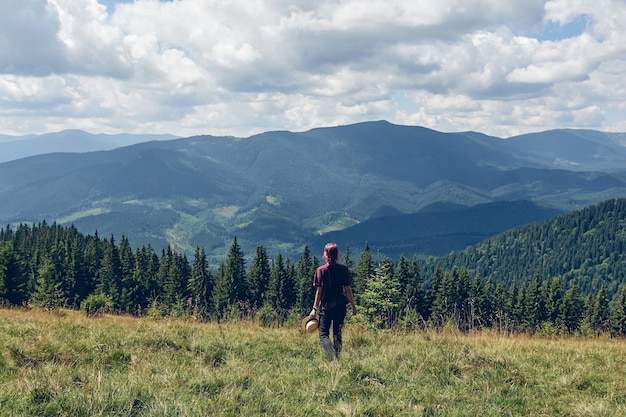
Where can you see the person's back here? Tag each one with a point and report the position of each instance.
(333, 279)
(333, 292)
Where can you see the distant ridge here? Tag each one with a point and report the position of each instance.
(75, 141)
(404, 189)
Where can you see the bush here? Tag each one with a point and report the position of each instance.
(267, 316)
(96, 305)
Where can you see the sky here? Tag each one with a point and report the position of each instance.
(241, 67)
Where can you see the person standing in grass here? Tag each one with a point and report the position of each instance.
(332, 282)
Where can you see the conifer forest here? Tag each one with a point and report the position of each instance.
(52, 266)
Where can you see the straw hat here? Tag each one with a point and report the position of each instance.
(309, 324)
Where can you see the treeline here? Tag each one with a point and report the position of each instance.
(585, 247)
(52, 266)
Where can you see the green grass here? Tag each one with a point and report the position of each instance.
(64, 364)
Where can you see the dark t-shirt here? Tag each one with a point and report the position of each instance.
(332, 279)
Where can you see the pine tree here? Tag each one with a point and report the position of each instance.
(554, 293)
(138, 288)
(258, 277)
(347, 259)
(572, 311)
(536, 304)
(201, 283)
(414, 290)
(83, 282)
(287, 294)
(92, 257)
(175, 286)
(304, 280)
(13, 280)
(381, 297)
(222, 292)
(403, 276)
(475, 318)
(430, 296)
(364, 270)
(109, 275)
(64, 269)
(128, 286)
(619, 315)
(521, 313)
(444, 299)
(600, 318)
(461, 298)
(236, 274)
(48, 293)
(485, 302)
(274, 297)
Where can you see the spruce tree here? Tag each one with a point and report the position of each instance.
(13, 280)
(461, 299)
(287, 294)
(304, 280)
(200, 286)
(414, 290)
(402, 274)
(553, 297)
(572, 311)
(381, 297)
(619, 315)
(223, 294)
(258, 277)
(236, 274)
(109, 276)
(48, 293)
(128, 291)
(600, 319)
(363, 272)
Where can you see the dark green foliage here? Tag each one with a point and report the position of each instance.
(364, 270)
(48, 293)
(305, 270)
(258, 277)
(52, 266)
(619, 315)
(200, 286)
(382, 295)
(230, 283)
(12, 278)
(586, 246)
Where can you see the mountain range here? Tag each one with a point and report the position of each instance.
(16, 147)
(401, 189)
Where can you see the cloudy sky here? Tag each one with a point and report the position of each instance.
(239, 67)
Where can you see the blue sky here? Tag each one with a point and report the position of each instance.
(239, 67)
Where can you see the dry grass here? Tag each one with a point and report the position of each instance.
(68, 365)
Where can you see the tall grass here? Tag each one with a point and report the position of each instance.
(64, 364)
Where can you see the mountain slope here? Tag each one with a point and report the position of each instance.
(587, 247)
(580, 150)
(438, 232)
(283, 189)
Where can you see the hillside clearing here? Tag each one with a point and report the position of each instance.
(64, 364)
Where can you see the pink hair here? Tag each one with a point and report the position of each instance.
(331, 253)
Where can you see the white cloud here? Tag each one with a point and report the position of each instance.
(240, 67)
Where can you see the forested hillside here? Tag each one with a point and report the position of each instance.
(555, 276)
(586, 247)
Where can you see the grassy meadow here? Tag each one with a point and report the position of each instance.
(65, 364)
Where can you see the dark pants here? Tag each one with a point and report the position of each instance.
(336, 316)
